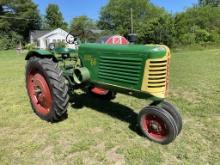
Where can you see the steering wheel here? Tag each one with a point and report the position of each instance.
(71, 38)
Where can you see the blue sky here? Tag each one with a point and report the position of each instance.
(91, 8)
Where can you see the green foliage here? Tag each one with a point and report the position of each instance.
(60, 44)
(198, 25)
(24, 16)
(18, 18)
(80, 27)
(159, 30)
(115, 15)
(9, 40)
(151, 23)
(30, 46)
(187, 38)
(214, 3)
(54, 18)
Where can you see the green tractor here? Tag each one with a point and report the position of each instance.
(141, 71)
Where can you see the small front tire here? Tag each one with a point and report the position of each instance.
(157, 125)
(173, 111)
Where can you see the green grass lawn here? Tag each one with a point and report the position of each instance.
(99, 132)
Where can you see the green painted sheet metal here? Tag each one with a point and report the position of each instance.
(64, 50)
(39, 52)
(121, 65)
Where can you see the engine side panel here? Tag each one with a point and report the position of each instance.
(117, 65)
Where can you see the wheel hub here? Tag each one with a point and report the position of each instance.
(39, 95)
(154, 127)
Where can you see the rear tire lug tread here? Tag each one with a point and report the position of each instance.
(59, 90)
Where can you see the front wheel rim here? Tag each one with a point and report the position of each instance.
(154, 127)
(39, 93)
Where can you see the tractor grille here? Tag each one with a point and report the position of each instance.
(156, 76)
(120, 70)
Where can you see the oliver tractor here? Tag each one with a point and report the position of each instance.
(141, 71)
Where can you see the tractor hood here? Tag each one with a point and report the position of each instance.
(148, 51)
(64, 50)
(127, 66)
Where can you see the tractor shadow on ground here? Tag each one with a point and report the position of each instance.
(115, 110)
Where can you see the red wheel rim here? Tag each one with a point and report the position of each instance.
(39, 92)
(154, 127)
(99, 91)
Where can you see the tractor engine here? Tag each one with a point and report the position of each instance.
(134, 69)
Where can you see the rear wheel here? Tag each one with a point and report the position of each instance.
(46, 88)
(157, 125)
(102, 93)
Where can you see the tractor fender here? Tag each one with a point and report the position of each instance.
(41, 53)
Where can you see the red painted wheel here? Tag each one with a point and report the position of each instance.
(157, 125)
(173, 111)
(39, 92)
(46, 89)
(101, 93)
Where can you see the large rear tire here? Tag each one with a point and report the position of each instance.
(46, 89)
(102, 93)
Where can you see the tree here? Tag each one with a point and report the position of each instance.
(115, 15)
(214, 3)
(160, 30)
(1, 10)
(54, 18)
(151, 23)
(80, 27)
(18, 18)
(21, 16)
(198, 25)
(4, 22)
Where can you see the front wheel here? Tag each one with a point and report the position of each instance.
(46, 89)
(157, 125)
(173, 111)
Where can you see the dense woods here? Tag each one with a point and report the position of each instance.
(199, 24)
